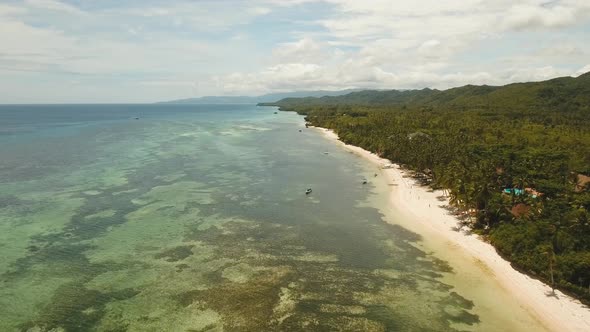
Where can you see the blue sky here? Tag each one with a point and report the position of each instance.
(74, 51)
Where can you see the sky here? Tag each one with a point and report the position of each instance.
(120, 51)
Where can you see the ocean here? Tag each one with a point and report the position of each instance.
(195, 218)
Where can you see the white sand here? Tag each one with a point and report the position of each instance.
(557, 313)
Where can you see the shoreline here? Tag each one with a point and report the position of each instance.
(422, 205)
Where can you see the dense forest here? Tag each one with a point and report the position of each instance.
(515, 161)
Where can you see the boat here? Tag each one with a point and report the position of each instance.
(308, 191)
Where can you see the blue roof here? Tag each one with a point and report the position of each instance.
(515, 191)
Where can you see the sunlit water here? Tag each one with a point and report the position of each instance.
(195, 218)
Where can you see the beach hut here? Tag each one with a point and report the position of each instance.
(582, 182)
(519, 192)
(514, 191)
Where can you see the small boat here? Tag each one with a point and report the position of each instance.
(326, 152)
(276, 113)
(308, 191)
(299, 130)
(364, 181)
(137, 118)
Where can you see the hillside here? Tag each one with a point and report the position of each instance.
(562, 93)
(257, 99)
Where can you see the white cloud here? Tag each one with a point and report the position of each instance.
(531, 16)
(405, 44)
(582, 70)
(24, 42)
(171, 83)
(208, 16)
(305, 50)
(182, 48)
(288, 3)
(8, 10)
(564, 49)
(535, 74)
(52, 5)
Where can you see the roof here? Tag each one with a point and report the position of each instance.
(582, 181)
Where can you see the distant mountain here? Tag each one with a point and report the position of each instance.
(558, 93)
(267, 98)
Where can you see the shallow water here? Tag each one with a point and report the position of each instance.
(195, 218)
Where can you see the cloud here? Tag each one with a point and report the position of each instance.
(149, 50)
(6, 11)
(32, 44)
(531, 16)
(400, 44)
(305, 50)
(52, 5)
(351, 75)
(171, 83)
(535, 74)
(582, 70)
(206, 16)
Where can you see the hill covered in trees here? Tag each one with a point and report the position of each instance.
(559, 93)
(514, 159)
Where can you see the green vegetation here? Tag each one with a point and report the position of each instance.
(564, 93)
(477, 141)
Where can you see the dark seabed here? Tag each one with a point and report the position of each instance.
(195, 218)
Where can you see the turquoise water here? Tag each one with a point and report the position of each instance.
(195, 218)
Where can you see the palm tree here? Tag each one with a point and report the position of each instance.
(548, 250)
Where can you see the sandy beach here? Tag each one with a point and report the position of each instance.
(423, 206)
